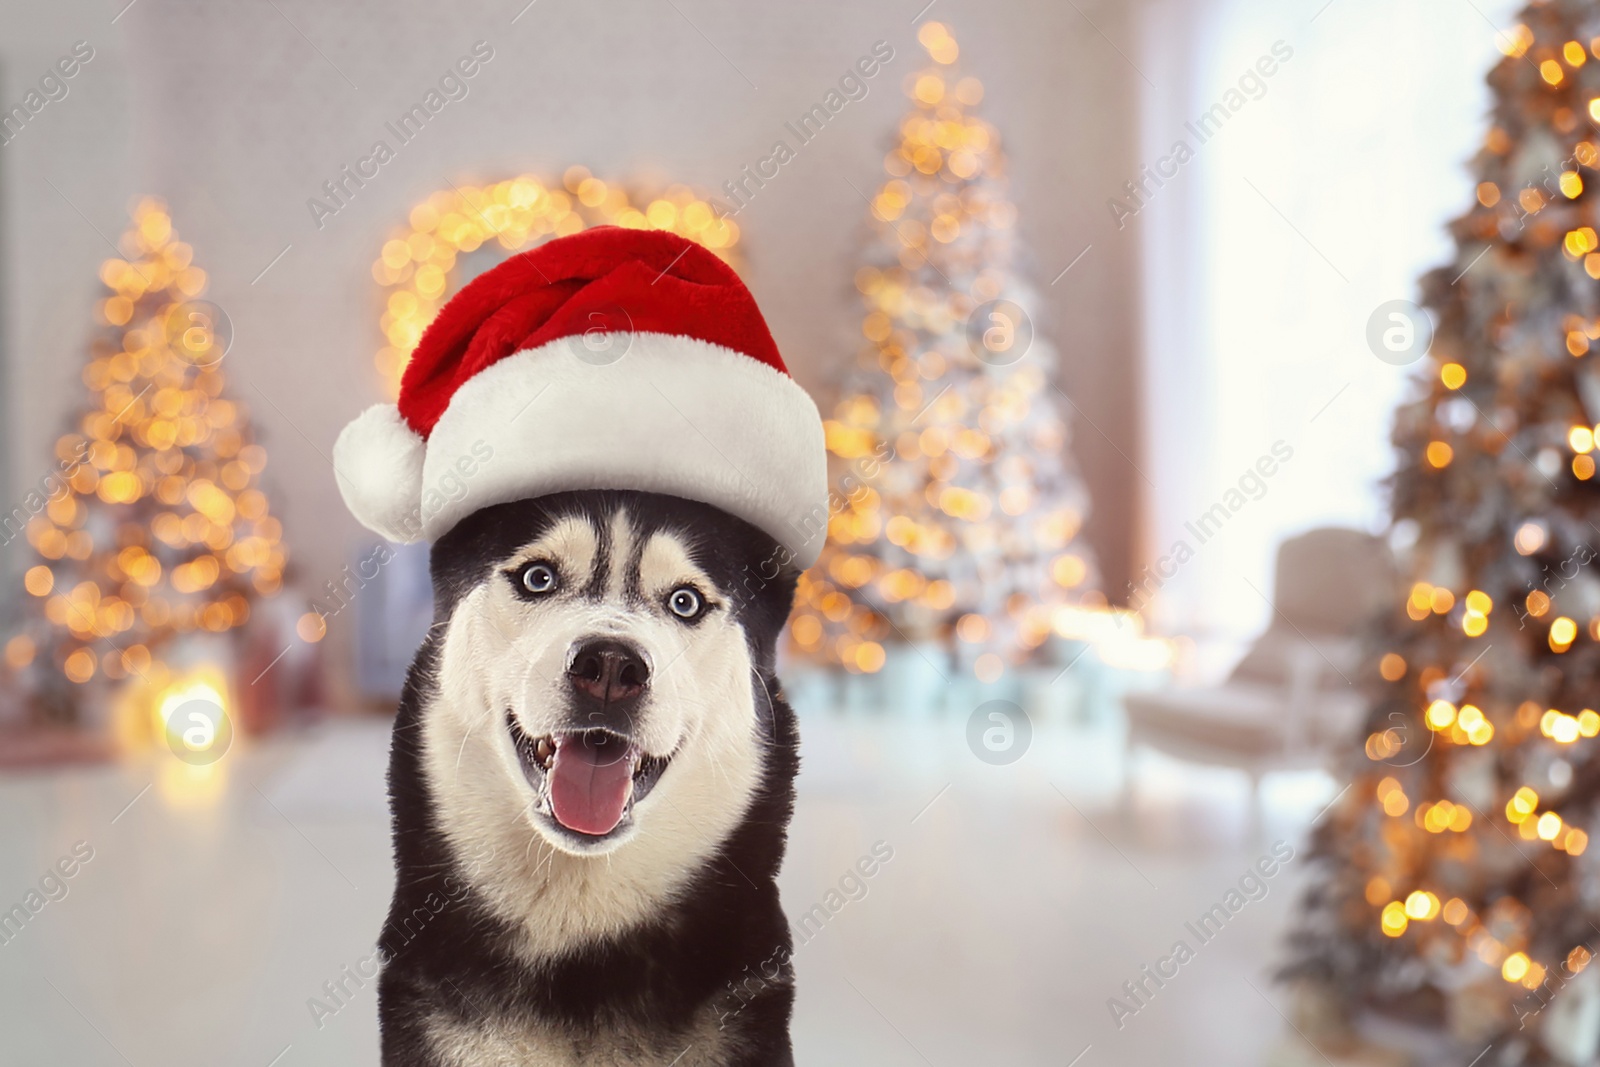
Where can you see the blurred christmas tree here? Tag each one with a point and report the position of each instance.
(957, 511)
(1454, 887)
(150, 527)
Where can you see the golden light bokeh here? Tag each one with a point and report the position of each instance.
(938, 459)
(158, 529)
(416, 268)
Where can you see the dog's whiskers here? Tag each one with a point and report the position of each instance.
(462, 750)
(548, 862)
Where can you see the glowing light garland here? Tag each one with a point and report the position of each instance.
(420, 269)
(1469, 843)
(958, 516)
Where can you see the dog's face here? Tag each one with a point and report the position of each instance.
(619, 650)
(598, 674)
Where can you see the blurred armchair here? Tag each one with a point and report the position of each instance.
(1291, 698)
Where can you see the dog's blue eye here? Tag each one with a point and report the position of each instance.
(686, 603)
(539, 578)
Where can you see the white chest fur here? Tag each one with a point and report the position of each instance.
(499, 1045)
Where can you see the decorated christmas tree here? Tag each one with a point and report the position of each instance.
(957, 510)
(149, 527)
(1455, 889)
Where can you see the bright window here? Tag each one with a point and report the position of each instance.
(1319, 194)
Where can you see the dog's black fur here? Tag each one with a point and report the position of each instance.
(442, 948)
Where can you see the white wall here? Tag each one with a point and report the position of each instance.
(236, 118)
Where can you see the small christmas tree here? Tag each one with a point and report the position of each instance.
(150, 526)
(958, 511)
(1455, 884)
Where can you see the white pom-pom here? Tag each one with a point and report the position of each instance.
(378, 463)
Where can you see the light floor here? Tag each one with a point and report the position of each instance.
(1018, 900)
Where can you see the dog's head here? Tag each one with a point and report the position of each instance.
(600, 670)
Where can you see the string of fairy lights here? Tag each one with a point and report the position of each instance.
(415, 269)
(944, 458)
(1544, 214)
(159, 528)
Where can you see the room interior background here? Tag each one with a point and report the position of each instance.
(1209, 306)
(237, 176)
(244, 131)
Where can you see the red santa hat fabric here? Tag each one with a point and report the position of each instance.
(610, 359)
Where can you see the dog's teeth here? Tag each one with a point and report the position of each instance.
(544, 751)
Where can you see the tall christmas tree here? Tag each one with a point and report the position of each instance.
(958, 511)
(150, 526)
(1455, 886)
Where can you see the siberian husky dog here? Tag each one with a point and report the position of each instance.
(591, 783)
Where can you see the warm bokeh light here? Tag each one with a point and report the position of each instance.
(1422, 905)
(958, 518)
(1489, 650)
(1562, 633)
(1530, 538)
(416, 267)
(159, 530)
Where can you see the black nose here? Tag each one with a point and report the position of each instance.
(608, 670)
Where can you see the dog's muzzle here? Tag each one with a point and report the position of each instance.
(588, 776)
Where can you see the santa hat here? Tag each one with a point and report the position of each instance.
(610, 359)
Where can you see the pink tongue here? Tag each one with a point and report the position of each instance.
(590, 783)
